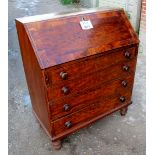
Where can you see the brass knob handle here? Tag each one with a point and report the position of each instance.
(63, 75)
(66, 107)
(68, 124)
(65, 90)
(122, 99)
(127, 54)
(124, 83)
(125, 67)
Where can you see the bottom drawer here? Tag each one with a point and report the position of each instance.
(98, 109)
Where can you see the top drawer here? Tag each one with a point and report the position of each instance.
(78, 68)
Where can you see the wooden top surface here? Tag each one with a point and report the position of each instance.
(61, 39)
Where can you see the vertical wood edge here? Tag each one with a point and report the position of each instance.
(33, 69)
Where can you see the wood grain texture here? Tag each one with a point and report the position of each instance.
(111, 30)
(35, 85)
(86, 123)
(78, 69)
(96, 109)
(89, 80)
(80, 100)
(97, 66)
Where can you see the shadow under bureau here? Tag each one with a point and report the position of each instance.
(77, 75)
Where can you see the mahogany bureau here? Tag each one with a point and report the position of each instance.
(77, 75)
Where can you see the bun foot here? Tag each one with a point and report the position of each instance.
(57, 144)
(123, 111)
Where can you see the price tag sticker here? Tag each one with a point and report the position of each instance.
(86, 24)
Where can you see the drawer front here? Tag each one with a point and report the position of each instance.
(71, 123)
(68, 88)
(79, 68)
(65, 106)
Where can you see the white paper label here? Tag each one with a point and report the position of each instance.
(86, 24)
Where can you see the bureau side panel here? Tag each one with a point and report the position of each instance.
(35, 78)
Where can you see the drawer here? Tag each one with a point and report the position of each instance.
(65, 106)
(77, 69)
(97, 109)
(68, 88)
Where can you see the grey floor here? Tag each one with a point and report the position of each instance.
(113, 135)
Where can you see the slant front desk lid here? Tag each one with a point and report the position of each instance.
(61, 39)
